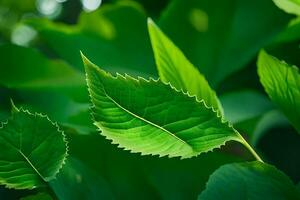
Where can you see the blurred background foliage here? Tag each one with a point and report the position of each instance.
(41, 69)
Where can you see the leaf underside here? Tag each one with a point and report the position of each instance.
(150, 117)
(33, 149)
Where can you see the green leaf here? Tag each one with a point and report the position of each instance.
(77, 181)
(114, 36)
(39, 196)
(33, 149)
(215, 37)
(151, 117)
(289, 6)
(282, 83)
(145, 177)
(252, 180)
(174, 68)
(268, 121)
(238, 106)
(26, 68)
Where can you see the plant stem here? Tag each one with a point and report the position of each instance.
(247, 145)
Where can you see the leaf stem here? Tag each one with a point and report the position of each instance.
(248, 146)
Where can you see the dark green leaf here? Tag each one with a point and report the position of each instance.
(33, 149)
(215, 35)
(77, 181)
(26, 68)
(253, 180)
(244, 105)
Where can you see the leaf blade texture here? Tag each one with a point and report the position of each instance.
(173, 67)
(33, 150)
(250, 180)
(150, 117)
(282, 83)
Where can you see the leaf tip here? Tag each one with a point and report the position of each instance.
(14, 108)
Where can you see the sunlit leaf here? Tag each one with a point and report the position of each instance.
(289, 6)
(39, 196)
(115, 36)
(151, 117)
(174, 68)
(282, 83)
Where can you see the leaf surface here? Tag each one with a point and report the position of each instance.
(173, 67)
(289, 6)
(215, 37)
(114, 36)
(252, 180)
(151, 117)
(27, 68)
(282, 83)
(33, 149)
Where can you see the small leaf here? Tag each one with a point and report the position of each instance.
(252, 180)
(289, 6)
(33, 149)
(39, 196)
(174, 68)
(150, 117)
(282, 83)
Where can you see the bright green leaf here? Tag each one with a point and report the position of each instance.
(253, 180)
(174, 68)
(151, 117)
(289, 6)
(33, 149)
(282, 83)
(214, 35)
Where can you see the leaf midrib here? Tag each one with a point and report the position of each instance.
(147, 121)
(25, 157)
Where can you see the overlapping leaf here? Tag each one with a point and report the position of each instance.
(215, 35)
(173, 67)
(253, 180)
(282, 83)
(33, 150)
(114, 36)
(151, 117)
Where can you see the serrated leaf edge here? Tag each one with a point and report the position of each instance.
(55, 124)
(138, 79)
